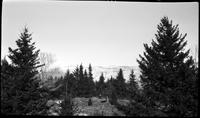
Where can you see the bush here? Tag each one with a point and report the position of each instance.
(113, 99)
(90, 102)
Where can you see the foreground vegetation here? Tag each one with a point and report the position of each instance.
(169, 80)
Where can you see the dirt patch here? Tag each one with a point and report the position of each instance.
(97, 108)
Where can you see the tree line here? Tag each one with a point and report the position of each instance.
(169, 79)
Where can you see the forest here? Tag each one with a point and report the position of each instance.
(169, 80)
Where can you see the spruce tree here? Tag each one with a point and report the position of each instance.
(167, 72)
(76, 81)
(81, 73)
(67, 80)
(25, 57)
(86, 88)
(7, 85)
(132, 79)
(91, 81)
(120, 85)
(68, 107)
(82, 82)
(101, 85)
(112, 91)
(26, 90)
(132, 86)
(85, 74)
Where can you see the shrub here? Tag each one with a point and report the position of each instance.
(90, 102)
(113, 99)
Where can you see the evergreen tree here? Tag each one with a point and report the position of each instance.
(81, 74)
(76, 81)
(120, 85)
(112, 91)
(107, 89)
(86, 89)
(101, 85)
(76, 73)
(68, 107)
(26, 91)
(7, 85)
(132, 80)
(82, 83)
(69, 81)
(91, 81)
(133, 86)
(90, 72)
(85, 74)
(168, 72)
(24, 58)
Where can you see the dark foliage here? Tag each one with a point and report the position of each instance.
(100, 85)
(120, 85)
(21, 91)
(67, 107)
(168, 73)
(90, 102)
(91, 84)
(132, 85)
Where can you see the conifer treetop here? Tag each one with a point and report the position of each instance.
(24, 56)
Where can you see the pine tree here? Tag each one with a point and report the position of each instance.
(132, 78)
(24, 58)
(81, 74)
(68, 81)
(76, 73)
(101, 85)
(91, 81)
(76, 81)
(132, 86)
(86, 89)
(120, 85)
(112, 91)
(90, 72)
(85, 74)
(168, 72)
(26, 89)
(6, 88)
(68, 107)
(83, 82)
(80, 81)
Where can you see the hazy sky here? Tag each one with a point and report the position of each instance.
(100, 33)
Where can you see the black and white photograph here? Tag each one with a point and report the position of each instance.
(99, 58)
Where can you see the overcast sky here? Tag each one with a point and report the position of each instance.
(100, 33)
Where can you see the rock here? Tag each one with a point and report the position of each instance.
(50, 103)
(58, 101)
(54, 114)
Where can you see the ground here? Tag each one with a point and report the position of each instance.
(97, 108)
